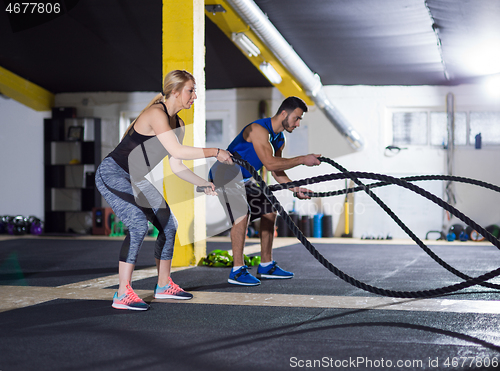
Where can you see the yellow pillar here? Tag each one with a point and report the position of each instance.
(25, 92)
(184, 48)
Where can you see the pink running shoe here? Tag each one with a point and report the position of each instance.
(129, 300)
(171, 291)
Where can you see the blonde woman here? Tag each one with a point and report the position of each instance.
(156, 133)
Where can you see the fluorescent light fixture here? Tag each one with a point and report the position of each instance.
(272, 75)
(214, 9)
(245, 44)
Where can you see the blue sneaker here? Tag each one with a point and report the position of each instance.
(242, 277)
(273, 271)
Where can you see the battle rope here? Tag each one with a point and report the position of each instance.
(416, 178)
(430, 196)
(317, 255)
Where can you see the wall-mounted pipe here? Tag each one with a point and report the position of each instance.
(265, 30)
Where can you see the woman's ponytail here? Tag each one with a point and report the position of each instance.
(174, 81)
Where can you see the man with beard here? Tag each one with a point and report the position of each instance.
(261, 143)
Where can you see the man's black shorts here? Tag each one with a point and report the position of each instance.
(236, 201)
(258, 204)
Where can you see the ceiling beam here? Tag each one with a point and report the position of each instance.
(229, 22)
(25, 92)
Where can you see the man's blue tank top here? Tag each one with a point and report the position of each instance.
(245, 149)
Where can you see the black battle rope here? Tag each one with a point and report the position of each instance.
(416, 178)
(430, 196)
(418, 190)
(317, 255)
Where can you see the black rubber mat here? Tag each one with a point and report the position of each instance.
(89, 335)
(82, 335)
(394, 267)
(55, 262)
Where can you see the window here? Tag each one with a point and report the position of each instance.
(439, 128)
(126, 118)
(409, 128)
(214, 131)
(425, 127)
(486, 123)
(218, 129)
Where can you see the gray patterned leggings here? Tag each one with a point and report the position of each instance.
(115, 186)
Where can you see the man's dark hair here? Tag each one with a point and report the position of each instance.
(291, 103)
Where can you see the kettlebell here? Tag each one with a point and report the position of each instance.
(35, 225)
(19, 224)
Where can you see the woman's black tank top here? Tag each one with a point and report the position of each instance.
(154, 153)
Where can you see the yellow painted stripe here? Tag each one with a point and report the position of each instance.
(344, 302)
(103, 282)
(16, 297)
(25, 92)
